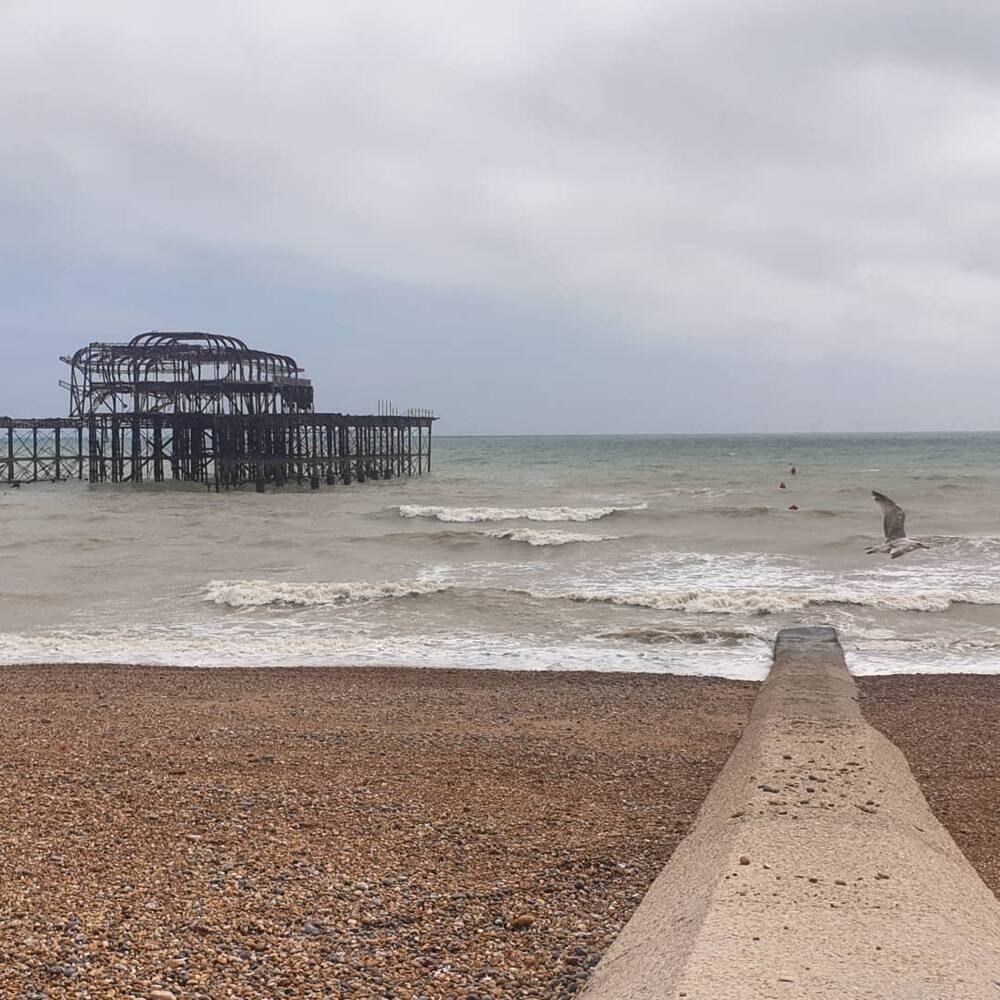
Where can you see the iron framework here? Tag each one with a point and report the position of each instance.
(202, 408)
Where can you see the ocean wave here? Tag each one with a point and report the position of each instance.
(542, 536)
(478, 514)
(278, 593)
(949, 643)
(743, 511)
(654, 636)
(246, 644)
(933, 477)
(757, 601)
(699, 491)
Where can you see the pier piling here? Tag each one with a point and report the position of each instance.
(200, 408)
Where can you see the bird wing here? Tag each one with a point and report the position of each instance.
(893, 517)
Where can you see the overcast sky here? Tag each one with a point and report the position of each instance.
(717, 215)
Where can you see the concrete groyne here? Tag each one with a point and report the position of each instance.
(815, 867)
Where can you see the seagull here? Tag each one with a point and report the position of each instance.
(893, 521)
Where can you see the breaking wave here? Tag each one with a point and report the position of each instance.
(756, 601)
(276, 593)
(654, 636)
(542, 536)
(477, 514)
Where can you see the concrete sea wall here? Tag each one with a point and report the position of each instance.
(815, 867)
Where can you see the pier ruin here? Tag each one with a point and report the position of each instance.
(207, 409)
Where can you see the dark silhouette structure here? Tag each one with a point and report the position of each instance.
(203, 408)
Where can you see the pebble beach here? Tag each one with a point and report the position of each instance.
(369, 832)
(948, 727)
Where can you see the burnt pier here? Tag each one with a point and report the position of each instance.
(206, 409)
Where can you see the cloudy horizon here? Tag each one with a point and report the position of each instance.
(629, 217)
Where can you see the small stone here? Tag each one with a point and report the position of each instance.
(522, 921)
(839, 881)
(744, 859)
(161, 995)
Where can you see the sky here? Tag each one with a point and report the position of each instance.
(533, 217)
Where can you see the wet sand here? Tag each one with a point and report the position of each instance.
(344, 832)
(948, 726)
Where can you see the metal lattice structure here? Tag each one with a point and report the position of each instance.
(203, 408)
(184, 373)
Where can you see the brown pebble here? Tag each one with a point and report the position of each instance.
(278, 867)
(744, 859)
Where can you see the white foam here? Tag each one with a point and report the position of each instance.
(756, 601)
(477, 514)
(542, 536)
(267, 593)
(192, 643)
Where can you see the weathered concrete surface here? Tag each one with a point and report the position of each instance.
(852, 888)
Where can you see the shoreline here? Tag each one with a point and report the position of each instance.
(948, 728)
(358, 831)
(395, 831)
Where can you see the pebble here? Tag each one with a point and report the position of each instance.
(305, 834)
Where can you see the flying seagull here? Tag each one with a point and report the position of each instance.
(893, 521)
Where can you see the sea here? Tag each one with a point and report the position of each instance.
(662, 554)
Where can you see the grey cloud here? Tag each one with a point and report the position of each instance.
(745, 177)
